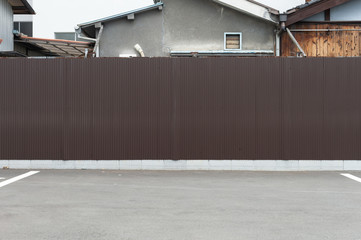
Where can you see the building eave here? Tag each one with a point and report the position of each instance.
(310, 9)
(55, 47)
(158, 5)
(251, 8)
(21, 7)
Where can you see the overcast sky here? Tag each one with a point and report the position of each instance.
(62, 15)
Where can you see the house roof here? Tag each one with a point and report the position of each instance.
(122, 15)
(21, 7)
(311, 8)
(270, 9)
(55, 47)
(252, 8)
(11, 54)
(301, 6)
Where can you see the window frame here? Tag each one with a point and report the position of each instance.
(225, 41)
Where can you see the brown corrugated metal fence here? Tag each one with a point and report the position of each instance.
(180, 108)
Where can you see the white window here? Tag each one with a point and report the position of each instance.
(232, 41)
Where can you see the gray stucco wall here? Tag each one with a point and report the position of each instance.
(120, 36)
(187, 25)
(6, 26)
(199, 25)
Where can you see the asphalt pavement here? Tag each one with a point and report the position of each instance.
(179, 205)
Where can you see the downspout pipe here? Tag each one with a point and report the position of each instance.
(86, 38)
(283, 20)
(295, 42)
(96, 47)
(78, 32)
(96, 40)
(139, 50)
(279, 31)
(278, 43)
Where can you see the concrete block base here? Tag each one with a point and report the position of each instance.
(220, 165)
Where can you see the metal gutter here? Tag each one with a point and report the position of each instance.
(223, 53)
(53, 40)
(122, 15)
(86, 38)
(325, 30)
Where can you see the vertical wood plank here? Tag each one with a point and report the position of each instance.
(314, 39)
(285, 48)
(322, 42)
(359, 38)
(347, 42)
(356, 42)
(319, 41)
(307, 44)
(325, 41)
(330, 43)
(338, 43)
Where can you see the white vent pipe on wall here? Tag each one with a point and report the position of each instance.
(139, 50)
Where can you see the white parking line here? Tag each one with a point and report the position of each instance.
(11, 180)
(1, 178)
(350, 176)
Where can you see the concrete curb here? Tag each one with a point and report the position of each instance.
(227, 165)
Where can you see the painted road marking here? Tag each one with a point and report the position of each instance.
(12, 180)
(350, 176)
(1, 178)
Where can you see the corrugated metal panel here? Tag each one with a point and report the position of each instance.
(303, 109)
(132, 109)
(268, 94)
(180, 108)
(342, 111)
(31, 109)
(6, 26)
